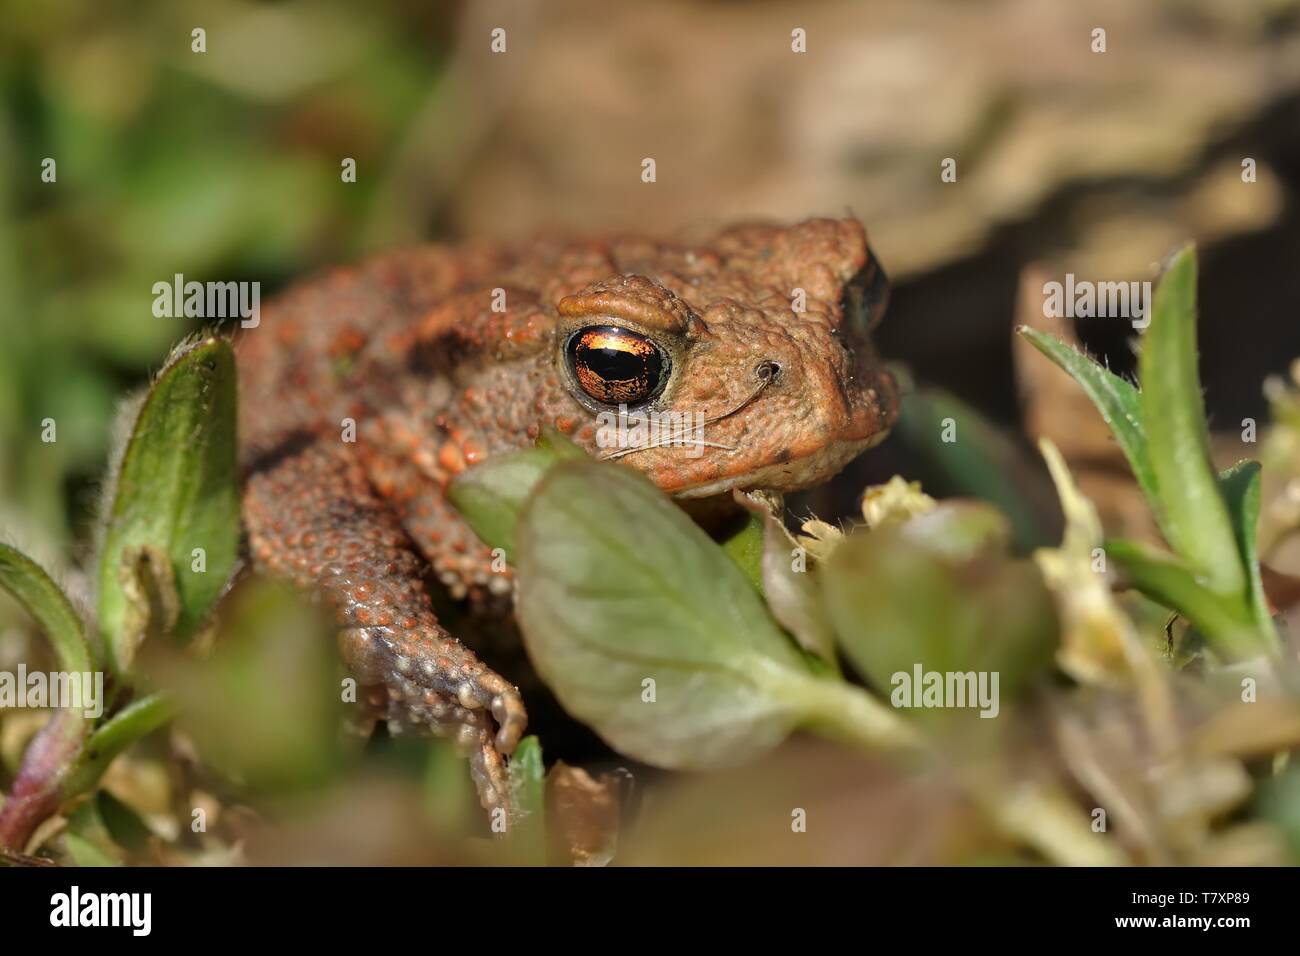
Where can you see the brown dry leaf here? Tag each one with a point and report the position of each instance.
(583, 813)
(1269, 725)
(1245, 844)
(1281, 589)
(1097, 738)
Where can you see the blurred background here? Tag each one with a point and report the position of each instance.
(226, 165)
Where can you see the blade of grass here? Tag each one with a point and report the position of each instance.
(1240, 485)
(45, 601)
(1225, 622)
(1116, 398)
(1192, 512)
(528, 785)
(115, 735)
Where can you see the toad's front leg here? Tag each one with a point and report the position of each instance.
(313, 517)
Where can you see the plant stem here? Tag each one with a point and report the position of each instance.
(37, 791)
(111, 738)
(1047, 821)
(850, 715)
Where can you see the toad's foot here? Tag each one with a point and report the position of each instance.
(471, 730)
(430, 694)
(430, 677)
(336, 538)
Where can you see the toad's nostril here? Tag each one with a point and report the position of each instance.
(768, 370)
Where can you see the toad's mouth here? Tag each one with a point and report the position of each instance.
(787, 476)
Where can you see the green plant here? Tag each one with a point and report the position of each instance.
(167, 552)
(1212, 577)
(691, 654)
(649, 631)
(247, 672)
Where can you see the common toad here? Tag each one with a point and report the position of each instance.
(363, 393)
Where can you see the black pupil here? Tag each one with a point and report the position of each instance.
(613, 365)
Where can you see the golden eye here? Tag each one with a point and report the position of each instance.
(616, 366)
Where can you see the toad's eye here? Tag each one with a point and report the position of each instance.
(616, 366)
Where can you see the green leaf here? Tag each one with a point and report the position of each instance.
(782, 572)
(449, 797)
(982, 463)
(1192, 513)
(1278, 801)
(640, 594)
(1116, 398)
(87, 840)
(123, 823)
(128, 725)
(491, 495)
(793, 596)
(48, 605)
(176, 491)
(648, 633)
(1225, 622)
(263, 708)
(85, 852)
(959, 531)
(745, 548)
(528, 801)
(900, 597)
(561, 445)
(1240, 486)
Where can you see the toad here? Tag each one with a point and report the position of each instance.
(366, 391)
